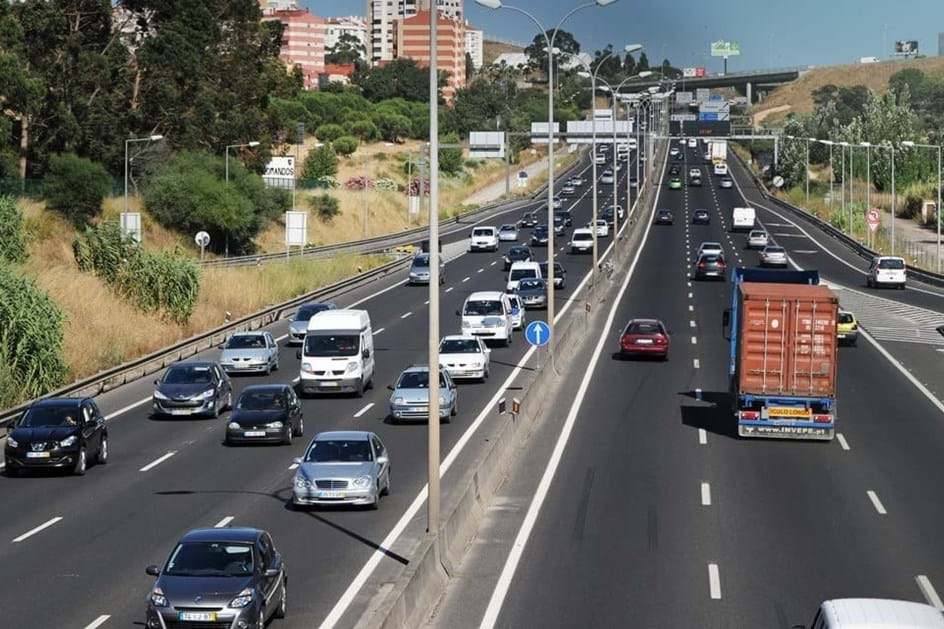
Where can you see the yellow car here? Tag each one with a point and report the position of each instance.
(847, 328)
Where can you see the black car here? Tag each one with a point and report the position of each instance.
(520, 253)
(560, 225)
(680, 156)
(674, 169)
(567, 217)
(193, 388)
(664, 217)
(225, 577)
(560, 274)
(528, 219)
(63, 433)
(710, 265)
(266, 413)
(701, 217)
(539, 236)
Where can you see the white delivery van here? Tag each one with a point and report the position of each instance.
(721, 169)
(484, 239)
(743, 218)
(337, 355)
(887, 271)
(522, 271)
(867, 613)
(488, 315)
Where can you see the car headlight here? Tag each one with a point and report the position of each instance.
(442, 400)
(159, 396)
(233, 426)
(157, 598)
(306, 368)
(206, 395)
(13, 443)
(361, 482)
(242, 599)
(398, 400)
(274, 425)
(351, 367)
(68, 441)
(466, 324)
(302, 483)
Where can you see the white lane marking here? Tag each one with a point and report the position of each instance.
(130, 407)
(426, 303)
(691, 324)
(521, 539)
(702, 437)
(480, 270)
(98, 622)
(364, 410)
(465, 280)
(494, 263)
(690, 295)
(697, 394)
(714, 581)
(45, 525)
(694, 340)
(696, 363)
(876, 502)
(930, 594)
(705, 495)
(376, 332)
(404, 316)
(449, 290)
(279, 339)
(157, 461)
(689, 285)
(224, 522)
(691, 308)
(842, 441)
(293, 466)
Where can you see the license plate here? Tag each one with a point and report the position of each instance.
(37, 455)
(794, 413)
(254, 433)
(644, 341)
(178, 411)
(330, 494)
(197, 616)
(330, 384)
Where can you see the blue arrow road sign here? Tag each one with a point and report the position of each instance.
(537, 333)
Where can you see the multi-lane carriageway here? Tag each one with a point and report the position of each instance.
(637, 506)
(73, 550)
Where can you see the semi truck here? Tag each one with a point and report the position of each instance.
(719, 151)
(783, 354)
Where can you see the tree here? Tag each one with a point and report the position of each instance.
(325, 206)
(537, 56)
(392, 126)
(401, 78)
(469, 68)
(366, 130)
(76, 187)
(345, 145)
(321, 162)
(629, 64)
(329, 132)
(450, 159)
(348, 49)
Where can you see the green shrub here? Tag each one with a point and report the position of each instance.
(12, 234)
(325, 206)
(321, 162)
(31, 359)
(366, 130)
(329, 132)
(345, 145)
(450, 160)
(76, 187)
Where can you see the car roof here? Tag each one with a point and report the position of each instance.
(58, 402)
(249, 333)
(193, 363)
(701, 209)
(880, 258)
(863, 613)
(265, 387)
(350, 435)
(224, 534)
(459, 337)
(644, 321)
(508, 226)
(486, 295)
(523, 265)
(583, 230)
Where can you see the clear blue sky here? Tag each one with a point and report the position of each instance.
(784, 33)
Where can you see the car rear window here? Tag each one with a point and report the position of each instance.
(520, 274)
(582, 236)
(845, 317)
(894, 264)
(773, 250)
(710, 257)
(643, 327)
(482, 232)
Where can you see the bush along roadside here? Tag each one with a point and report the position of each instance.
(31, 337)
(12, 234)
(167, 283)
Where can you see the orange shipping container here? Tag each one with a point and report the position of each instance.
(787, 344)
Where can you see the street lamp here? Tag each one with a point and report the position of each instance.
(868, 174)
(832, 174)
(251, 144)
(150, 138)
(937, 148)
(891, 148)
(497, 4)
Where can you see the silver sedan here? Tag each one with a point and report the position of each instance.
(348, 467)
(250, 352)
(773, 256)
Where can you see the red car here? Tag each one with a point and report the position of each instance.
(645, 337)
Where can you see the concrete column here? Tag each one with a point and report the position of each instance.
(749, 94)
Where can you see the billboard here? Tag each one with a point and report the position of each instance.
(906, 47)
(723, 48)
(487, 144)
(296, 229)
(683, 98)
(689, 72)
(280, 172)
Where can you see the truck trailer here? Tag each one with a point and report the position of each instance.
(783, 354)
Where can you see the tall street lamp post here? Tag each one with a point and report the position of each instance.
(128, 142)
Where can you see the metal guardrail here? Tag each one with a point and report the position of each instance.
(927, 277)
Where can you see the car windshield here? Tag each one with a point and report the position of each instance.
(701, 212)
(460, 346)
(307, 312)
(483, 308)
(50, 416)
(331, 345)
(665, 213)
(261, 400)
(417, 380)
(895, 264)
(845, 317)
(482, 232)
(188, 374)
(519, 274)
(246, 341)
(643, 327)
(582, 236)
(531, 285)
(210, 559)
(421, 261)
(518, 252)
(558, 268)
(339, 451)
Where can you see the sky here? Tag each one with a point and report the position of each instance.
(771, 34)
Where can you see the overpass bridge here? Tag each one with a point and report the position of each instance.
(748, 82)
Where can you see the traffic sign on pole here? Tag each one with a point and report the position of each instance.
(874, 219)
(537, 333)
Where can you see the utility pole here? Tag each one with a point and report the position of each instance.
(432, 516)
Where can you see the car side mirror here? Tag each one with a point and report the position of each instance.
(298, 354)
(365, 353)
(383, 460)
(153, 570)
(488, 350)
(297, 460)
(458, 313)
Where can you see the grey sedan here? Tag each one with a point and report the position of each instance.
(342, 467)
(410, 398)
(250, 352)
(299, 324)
(533, 293)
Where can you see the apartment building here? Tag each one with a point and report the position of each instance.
(303, 42)
(353, 26)
(412, 41)
(475, 45)
(383, 16)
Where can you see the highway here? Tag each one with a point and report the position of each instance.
(640, 508)
(73, 550)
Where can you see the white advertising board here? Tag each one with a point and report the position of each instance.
(487, 144)
(296, 229)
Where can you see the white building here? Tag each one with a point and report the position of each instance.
(474, 45)
(271, 6)
(338, 26)
(382, 17)
(512, 59)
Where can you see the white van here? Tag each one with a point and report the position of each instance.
(743, 218)
(488, 315)
(887, 271)
(522, 271)
(484, 239)
(337, 355)
(721, 168)
(866, 613)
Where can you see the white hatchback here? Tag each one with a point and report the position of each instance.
(757, 239)
(887, 271)
(464, 357)
(581, 240)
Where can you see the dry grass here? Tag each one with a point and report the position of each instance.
(796, 97)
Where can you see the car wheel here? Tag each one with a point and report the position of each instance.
(260, 621)
(376, 503)
(216, 409)
(102, 457)
(268, 370)
(287, 437)
(300, 429)
(275, 367)
(360, 389)
(282, 609)
(386, 489)
(80, 464)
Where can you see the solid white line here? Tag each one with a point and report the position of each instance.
(705, 495)
(876, 502)
(404, 316)
(376, 332)
(130, 407)
(714, 581)
(465, 280)
(514, 557)
(930, 594)
(224, 522)
(842, 441)
(696, 363)
(694, 340)
(157, 461)
(702, 437)
(41, 527)
(98, 622)
(364, 410)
